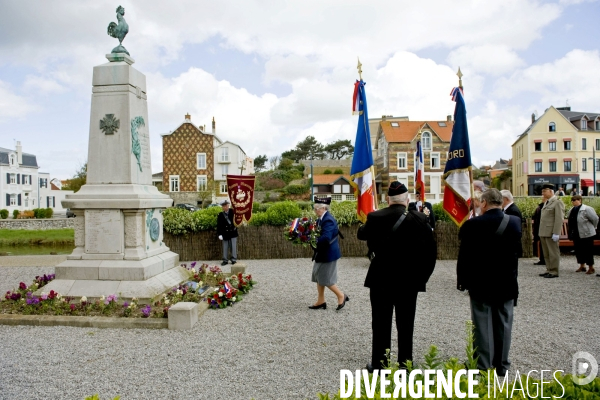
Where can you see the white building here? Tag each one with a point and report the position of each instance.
(230, 159)
(22, 186)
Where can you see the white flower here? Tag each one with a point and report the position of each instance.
(164, 295)
(58, 296)
(233, 298)
(23, 299)
(83, 299)
(215, 289)
(193, 270)
(134, 299)
(178, 291)
(215, 275)
(220, 294)
(35, 284)
(102, 298)
(167, 301)
(200, 283)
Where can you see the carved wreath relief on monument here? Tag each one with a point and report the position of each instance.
(136, 147)
(109, 124)
(153, 225)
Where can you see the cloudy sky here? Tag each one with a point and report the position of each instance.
(272, 72)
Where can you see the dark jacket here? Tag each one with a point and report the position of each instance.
(514, 210)
(430, 217)
(487, 263)
(536, 221)
(404, 260)
(227, 229)
(328, 245)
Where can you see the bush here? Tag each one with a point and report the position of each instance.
(206, 219)
(440, 214)
(296, 189)
(278, 214)
(338, 171)
(344, 212)
(39, 213)
(15, 214)
(305, 205)
(271, 183)
(177, 221)
(300, 167)
(4, 213)
(26, 214)
(327, 172)
(49, 212)
(288, 175)
(258, 219)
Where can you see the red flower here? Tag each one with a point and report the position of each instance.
(72, 307)
(300, 229)
(22, 286)
(52, 294)
(215, 296)
(229, 295)
(304, 219)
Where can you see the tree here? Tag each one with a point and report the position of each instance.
(205, 192)
(274, 161)
(308, 149)
(78, 180)
(260, 163)
(339, 149)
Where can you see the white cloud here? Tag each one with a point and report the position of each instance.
(486, 59)
(42, 85)
(13, 105)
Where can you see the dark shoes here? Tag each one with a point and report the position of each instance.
(539, 263)
(550, 276)
(233, 262)
(370, 368)
(544, 274)
(340, 306)
(322, 305)
(224, 262)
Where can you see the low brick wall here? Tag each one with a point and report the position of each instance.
(268, 242)
(37, 224)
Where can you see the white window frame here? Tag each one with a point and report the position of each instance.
(426, 141)
(13, 179)
(223, 188)
(336, 197)
(584, 164)
(583, 143)
(224, 170)
(433, 156)
(551, 126)
(200, 165)
(400, 158)
(201, 186)
(225, 154)
(26, 180)
(597, 123)
(345, 188)
(337, 188)
(13, 159)
(551, 146)
(13, 200)
(584, 124)
(174, 183)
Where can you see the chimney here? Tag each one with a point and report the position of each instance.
(188, 118)
(532, 118)
(19, 153)
(448, 118)
(214, 126)
(383, 117)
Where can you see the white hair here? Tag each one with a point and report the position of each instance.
(321, 205)
(399, 198)
(507, 194)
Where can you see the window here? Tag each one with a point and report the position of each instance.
(395, 124)
(551, 127)
(583, 144)
(350, 197)
(441, 123)
(538, 146)
(597, 144)
(13, 200)
(224, 169)
(567, 166)
(552, 165)
(345, 188)
(13, 178)
(201, 183)
(435, 160)
(583, 125)
(201, 161)
(584, 164)
(538, 166)
(13, 159)
(26, 179)
(567, 145)
(225, 154)
(50, 202)
(552, 146)
(223, 187)
(336, 197)
(401, 160)
(426, 141)
(26, 200)
(598, 125)
(43, 182)
(174, 183)
(337, 189)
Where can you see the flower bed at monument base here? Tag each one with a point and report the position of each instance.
(205, 284)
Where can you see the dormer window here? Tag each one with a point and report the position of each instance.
(395, 124)
(13, 159)
(426, 140)
(597, 125)
(583, 124)
(551, 127)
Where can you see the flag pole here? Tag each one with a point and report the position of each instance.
(460, 86)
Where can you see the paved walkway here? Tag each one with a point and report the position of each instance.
(271, 346)
(32, 261)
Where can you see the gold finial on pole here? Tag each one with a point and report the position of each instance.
(460, 75)
(359, 67)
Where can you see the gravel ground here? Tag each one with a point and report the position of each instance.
(271, 346)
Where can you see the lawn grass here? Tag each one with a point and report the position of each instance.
(21, 237)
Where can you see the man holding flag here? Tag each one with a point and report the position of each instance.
(362, 174)
(458, 176)
(420, 204)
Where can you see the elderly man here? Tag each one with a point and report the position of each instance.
(404, 258)
(510, 208)
(424, 207)
(227, 232)
(493, 287)
(551, 221)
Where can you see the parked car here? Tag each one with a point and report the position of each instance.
(212, 205)
(70, 214)
(188, 207)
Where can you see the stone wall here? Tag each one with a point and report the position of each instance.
(37, 224)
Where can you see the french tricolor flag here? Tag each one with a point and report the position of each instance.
(420, 172)
(362, 174)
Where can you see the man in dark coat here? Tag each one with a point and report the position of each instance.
(537, 246)
(227, 232)
(404, 252)
(424, 207)
(511, 208)
(491, 279)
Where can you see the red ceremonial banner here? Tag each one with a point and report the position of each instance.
(241, 194)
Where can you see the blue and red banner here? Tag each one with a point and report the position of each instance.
(420, 172)
(458, 175)
(362, 174)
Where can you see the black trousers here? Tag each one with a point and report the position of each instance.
(584, 250)
(536, 241)
(383, 303)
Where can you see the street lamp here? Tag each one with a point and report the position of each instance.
(593, 158)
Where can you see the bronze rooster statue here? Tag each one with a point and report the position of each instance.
(119, 31)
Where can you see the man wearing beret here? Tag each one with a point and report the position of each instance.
(393, 278)
(424, 207)
(227, 232)
(551, 222)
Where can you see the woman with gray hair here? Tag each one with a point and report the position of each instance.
(327, 252)
(582, 223)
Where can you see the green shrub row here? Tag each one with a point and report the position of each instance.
(37, 213)
(4, 213)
